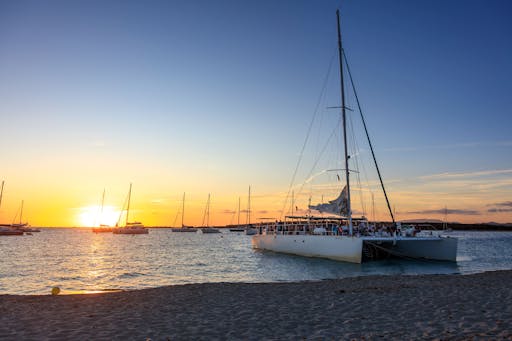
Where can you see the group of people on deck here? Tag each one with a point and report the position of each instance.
(360, 228)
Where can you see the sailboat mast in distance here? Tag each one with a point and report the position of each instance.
(128, 207)
(343, 111)
(238, 221)
(2, 192)
(102, 203)
(183, 211)
(249, 207)
(21, 211)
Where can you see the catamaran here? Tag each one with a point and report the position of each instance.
(341, 236)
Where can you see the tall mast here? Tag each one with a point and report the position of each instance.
(183, 211)
(128, 207)
(249, 207)
(2, 192)
(347, 172)
(207, 212)
(238, 222)
(101, 210)
(21, 211)
(102, 203)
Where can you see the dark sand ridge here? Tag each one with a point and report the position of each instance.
(448, 307)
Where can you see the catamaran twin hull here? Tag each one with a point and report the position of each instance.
(351, 249)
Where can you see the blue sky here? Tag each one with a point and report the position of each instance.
(211, 96)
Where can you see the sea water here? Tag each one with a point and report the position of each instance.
(77, 260)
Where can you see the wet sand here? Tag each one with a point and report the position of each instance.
(447, 307)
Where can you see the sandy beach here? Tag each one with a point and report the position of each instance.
(447, 307)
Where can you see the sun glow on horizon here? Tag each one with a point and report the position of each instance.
(92, 216)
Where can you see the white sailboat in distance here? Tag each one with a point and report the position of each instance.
(130, 227)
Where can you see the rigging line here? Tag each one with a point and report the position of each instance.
(320, 155)
(315, 113)
(360, 166)
(121, 213)
(368, 137)
(355, 150)
(176, 218)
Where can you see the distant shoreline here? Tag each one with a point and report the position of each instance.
(435, 225)
(424, 306)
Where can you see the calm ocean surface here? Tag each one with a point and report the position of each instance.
(78, 260)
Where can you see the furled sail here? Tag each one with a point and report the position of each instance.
(336, 206)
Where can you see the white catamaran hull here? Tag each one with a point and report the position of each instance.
(341, 248)
(350, 249)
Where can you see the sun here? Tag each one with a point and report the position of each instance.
(91, 216)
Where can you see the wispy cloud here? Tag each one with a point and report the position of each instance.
(466, 174)
(450, 146)
(447, 211)
(499, 210)
(502, 207)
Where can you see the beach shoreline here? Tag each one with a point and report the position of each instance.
(371, 307)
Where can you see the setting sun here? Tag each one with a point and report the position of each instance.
(92, 216)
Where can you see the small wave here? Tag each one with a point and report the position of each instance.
(130, 275)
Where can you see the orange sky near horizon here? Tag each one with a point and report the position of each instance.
(80, 206)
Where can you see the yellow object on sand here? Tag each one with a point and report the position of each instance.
(55, 290)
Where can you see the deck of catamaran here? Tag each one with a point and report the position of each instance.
(314, 236)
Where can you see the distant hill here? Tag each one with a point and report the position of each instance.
(421, 221)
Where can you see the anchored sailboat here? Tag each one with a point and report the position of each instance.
(102, 227)
(183, 227)
(6, 229)
(336, 237)
(206, 218)
(130, 227)
(238, 228)
(249, 229)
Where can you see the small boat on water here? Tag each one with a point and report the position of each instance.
(238, 228)
(206, 217)
(24, 227)
(336, 237)
(102, 228)
(130, 227)
(8, 229)
(183, 227)
(249, 229)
